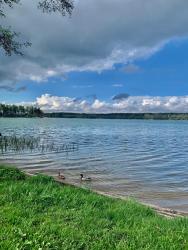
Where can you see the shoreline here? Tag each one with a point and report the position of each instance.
(167, 212)
(106, 116)
(40, 212)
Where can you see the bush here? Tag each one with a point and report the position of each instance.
(11, 173)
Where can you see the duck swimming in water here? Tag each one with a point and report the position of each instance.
(61, 176)
(84, 178)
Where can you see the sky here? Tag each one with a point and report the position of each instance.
(109, 56)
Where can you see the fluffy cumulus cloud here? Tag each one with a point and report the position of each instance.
(99, 34)
(133, 104)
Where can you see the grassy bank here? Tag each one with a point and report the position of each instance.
(38, 213)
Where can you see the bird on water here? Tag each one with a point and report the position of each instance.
(84, 178)
(61, 176)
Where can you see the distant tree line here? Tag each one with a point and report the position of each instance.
(141, 116)
(19, 111)
(33, 111)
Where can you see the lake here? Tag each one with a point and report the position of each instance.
(144, 159)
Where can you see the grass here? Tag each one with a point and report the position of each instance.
(38, 213)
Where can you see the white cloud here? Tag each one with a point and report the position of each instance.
(99, 34)
(133, 104)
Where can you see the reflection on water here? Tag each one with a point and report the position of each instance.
(147, 160)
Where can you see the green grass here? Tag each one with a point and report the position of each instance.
(38, 213)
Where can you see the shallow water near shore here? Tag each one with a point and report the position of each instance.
(144, 159)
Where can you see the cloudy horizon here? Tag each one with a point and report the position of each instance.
(133, 104)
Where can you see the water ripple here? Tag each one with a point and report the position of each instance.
(144, 159)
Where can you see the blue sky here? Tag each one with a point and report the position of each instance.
(163, 74)
(100, 59)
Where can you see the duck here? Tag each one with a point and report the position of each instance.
(85, 178)
(61, 176)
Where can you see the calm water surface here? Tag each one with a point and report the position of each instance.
(147, 160)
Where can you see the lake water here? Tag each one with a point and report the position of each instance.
(144, 159)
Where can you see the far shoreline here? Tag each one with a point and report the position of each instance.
(107, 116)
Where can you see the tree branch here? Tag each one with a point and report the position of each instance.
(9, 43)
(61, 6)
(9, 39)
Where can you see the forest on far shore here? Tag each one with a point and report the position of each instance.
(144, 116)
(19, 111)
(33, 111)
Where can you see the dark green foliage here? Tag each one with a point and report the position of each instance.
(9, 41)
(10, 3)
(38, 213)
(61, 6)
(19, 111)
(10, 173)
(139, 116)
